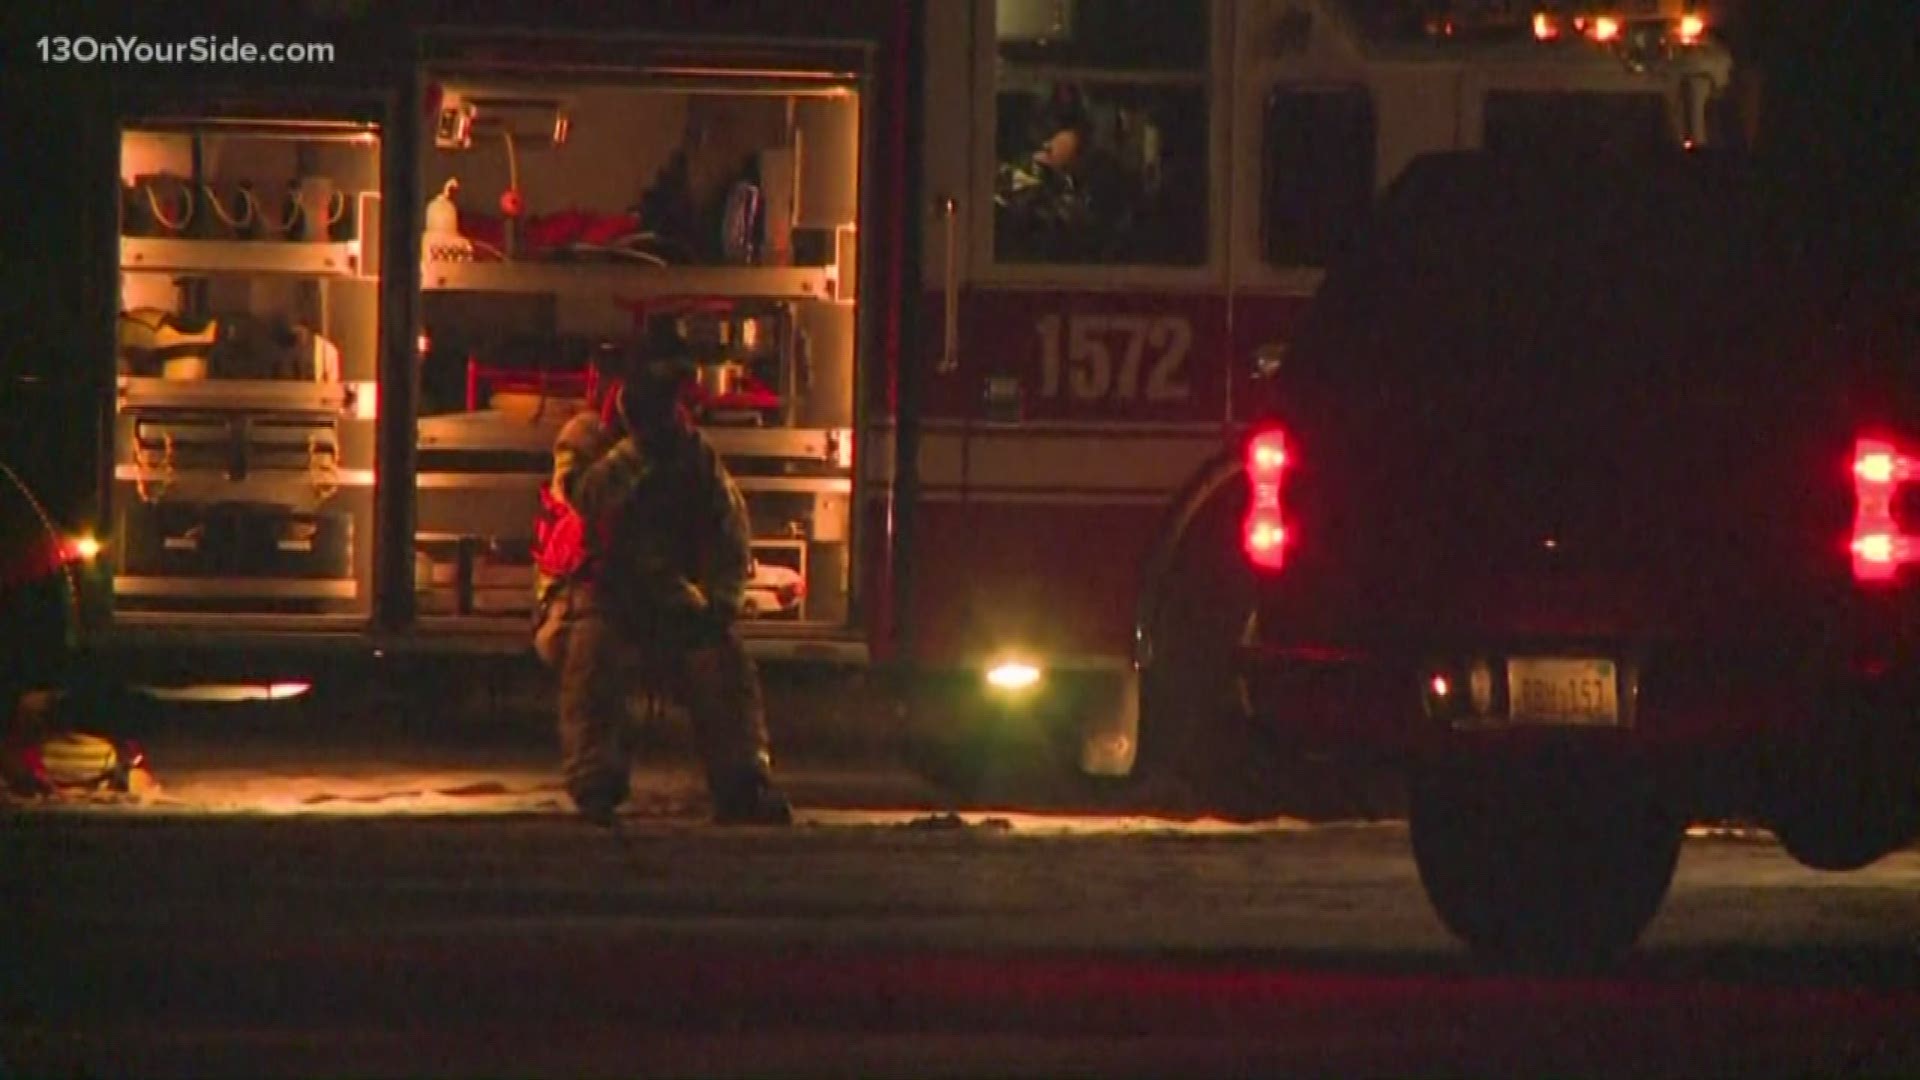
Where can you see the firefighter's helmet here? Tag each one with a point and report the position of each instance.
(659, 377)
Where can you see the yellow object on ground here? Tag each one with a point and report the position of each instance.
(75, 758)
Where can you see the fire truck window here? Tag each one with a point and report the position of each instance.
(1319, 165)
(1108, 35)
(1101, 174)
(1100, 132)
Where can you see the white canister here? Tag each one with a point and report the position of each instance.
(440, 238)
(326, 360)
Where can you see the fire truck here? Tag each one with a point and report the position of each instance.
(980, 292)
(1095, 343)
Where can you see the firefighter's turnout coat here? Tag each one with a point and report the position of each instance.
(651, 602)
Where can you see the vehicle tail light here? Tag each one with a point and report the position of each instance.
(1265, 534)
(1880, 469)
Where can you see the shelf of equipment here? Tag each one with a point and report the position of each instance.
(490, 430)
(233, 588)
(264, 395)
(628, 280)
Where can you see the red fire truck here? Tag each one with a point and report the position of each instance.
(1132, 206)
(980, 294)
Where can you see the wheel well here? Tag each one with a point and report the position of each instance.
(1203, 487)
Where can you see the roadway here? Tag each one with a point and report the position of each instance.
(388, 907)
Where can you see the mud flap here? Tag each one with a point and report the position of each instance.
(1110, 730)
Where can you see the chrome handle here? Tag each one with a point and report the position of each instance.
(949, 208)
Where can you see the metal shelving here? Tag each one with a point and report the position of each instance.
(628, 280)
(246, 497)
(489, 431)
(237, 588)
(138, 254)
(266, 395)
(493, 431)
(260, 485)
(501, 504)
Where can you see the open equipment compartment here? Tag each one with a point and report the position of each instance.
(246, 370)
(563, 214)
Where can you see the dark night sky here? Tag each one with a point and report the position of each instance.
(1840, 73)
(1841, 119)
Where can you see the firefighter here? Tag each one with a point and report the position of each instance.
(652, 604)
(1041, 205)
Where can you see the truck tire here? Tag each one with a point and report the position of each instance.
(1847, 794)
(1544, 859)
(1199, 741)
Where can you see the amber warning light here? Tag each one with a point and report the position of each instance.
(1265, 535)
(1879, 546)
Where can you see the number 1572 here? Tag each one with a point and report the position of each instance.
(1114, 357)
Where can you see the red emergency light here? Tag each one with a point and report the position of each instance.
(1879, 546)
(1265, 535)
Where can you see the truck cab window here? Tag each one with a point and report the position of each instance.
(1318, 176)
(1100, 133)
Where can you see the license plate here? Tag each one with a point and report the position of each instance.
(1571, 692)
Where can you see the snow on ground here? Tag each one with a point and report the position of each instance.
(275, 764)
(660, 794)
(847, 797)
(1049, 824)
(346, 781)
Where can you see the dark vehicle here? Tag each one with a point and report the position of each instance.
(36, 588)
(1589, 491)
